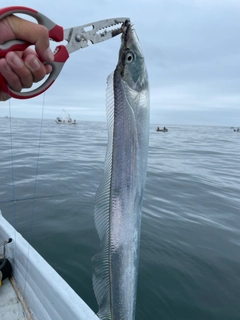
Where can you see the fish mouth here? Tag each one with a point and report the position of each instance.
(126, 26)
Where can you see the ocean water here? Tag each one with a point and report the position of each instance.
(190, 240)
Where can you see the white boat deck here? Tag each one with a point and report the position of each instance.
(47, 295)
(10, 306)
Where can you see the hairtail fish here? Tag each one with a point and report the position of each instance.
(119, 196)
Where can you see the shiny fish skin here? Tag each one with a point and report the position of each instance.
(120, 194)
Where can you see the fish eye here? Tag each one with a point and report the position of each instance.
(129, 57)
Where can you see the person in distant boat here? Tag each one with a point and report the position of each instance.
(22, 69)
(164, 128)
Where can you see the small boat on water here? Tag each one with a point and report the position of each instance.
(237, 130)
(162, 130)
(65, 119)
(59, 120)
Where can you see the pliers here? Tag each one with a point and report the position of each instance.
(77, 38)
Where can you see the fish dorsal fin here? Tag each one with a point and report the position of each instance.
(101, 261)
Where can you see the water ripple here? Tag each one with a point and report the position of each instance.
(189, 263)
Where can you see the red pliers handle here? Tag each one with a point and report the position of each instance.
(61, 55)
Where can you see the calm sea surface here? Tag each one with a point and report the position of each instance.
(190, 242)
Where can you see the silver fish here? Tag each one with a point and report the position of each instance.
(119, 196)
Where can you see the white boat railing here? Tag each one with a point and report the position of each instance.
(47, 295)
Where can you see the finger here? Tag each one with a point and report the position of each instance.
(4, 96)
(19, 68)
(33, 33)
(14, 81)
(19, 74)
(10, 76)
(38, 69)
(48, 68)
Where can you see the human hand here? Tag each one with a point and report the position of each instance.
(22, 69)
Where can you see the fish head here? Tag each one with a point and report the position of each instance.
(131, 65)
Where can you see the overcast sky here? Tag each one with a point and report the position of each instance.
(192, 53)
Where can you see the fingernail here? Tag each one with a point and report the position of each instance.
(17, 61)
(49, 55)
(33, 64)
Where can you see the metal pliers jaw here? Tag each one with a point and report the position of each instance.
(94, 32)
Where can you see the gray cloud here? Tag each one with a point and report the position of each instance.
(192, 51)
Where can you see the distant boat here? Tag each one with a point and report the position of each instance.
(162, 130)
(65, 119)
(237, 130)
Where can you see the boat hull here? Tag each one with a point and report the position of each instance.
(47, 295)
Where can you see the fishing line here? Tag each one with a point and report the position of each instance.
(34, 193)
(12, 164)
(13, 184)
(41, 197)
